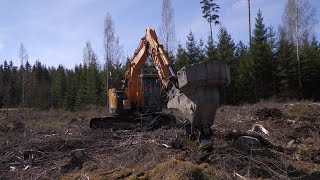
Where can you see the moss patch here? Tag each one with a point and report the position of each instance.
(175, 169)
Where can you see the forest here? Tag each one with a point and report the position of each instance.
(270, 66)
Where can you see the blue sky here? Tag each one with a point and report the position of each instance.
(55, 31)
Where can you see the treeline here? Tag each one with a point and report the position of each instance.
(49, 87)
(267, 68)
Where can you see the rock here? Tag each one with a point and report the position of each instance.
(258, 128)
(292, 144)
(13, 169)
(248, 144)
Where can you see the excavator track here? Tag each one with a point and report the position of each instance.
(134, 122)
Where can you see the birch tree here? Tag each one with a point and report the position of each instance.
(167, 26)
(298, 19)
(23, 56)
(112, 48)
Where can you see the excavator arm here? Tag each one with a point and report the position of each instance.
(149, 46)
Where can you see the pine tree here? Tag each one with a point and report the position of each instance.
(286, 70)
(90, 60)
(1, 86)
(83, 88)
(261, 54)
(192, 50)
(40, 86)
(245, 79)
(210, 51)
(225, 47)
(225, 53)
(59, 90)
(272, 45)
(309, 68)
(201, 51)
(210, 10)
(71, 94)
(181, 59)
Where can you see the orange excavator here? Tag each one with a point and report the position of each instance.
(194, 91)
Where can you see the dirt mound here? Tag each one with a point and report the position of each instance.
(267, 113)
(78, 158)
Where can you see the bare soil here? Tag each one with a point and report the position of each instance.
(57, 144)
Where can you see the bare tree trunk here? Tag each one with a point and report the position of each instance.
(250, 54)
(298, 57)
(249, 22)
(23, 83)
(107, 84)
(211, 37)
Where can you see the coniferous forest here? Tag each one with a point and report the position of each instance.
(268, 68)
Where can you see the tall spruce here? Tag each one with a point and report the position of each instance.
(310, 78)
(90, 60)
(245, 74)
(286, 73)
(225, 47)
(210, 50)
(192, 49)
(59, 90)
(181, 58)
(261, 54)
(1, 86)
(225, 53)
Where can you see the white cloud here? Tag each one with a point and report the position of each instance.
(198, 26)
(240, 4)
(243, 4)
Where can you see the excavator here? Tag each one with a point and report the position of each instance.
(194, 91)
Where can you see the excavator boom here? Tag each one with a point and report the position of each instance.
(149, 46)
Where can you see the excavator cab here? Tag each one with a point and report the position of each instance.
(149, 100)
(149, 88)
